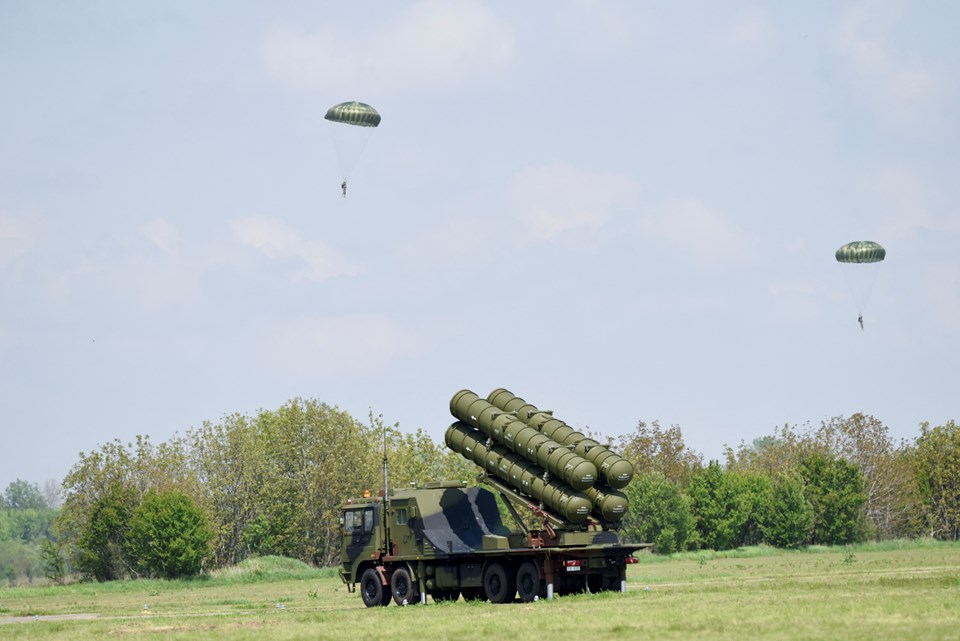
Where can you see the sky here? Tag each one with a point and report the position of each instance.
(620, 211)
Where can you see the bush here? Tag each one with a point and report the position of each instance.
(788, 520)
(659, 513)
(169, 536)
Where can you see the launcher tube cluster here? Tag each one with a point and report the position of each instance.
(539, 455)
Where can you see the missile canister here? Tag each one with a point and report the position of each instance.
(608, 503)
(518, 472)
(525, 440)
(614, 469)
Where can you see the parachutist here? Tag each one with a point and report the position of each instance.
(860, 320)
(343, 186)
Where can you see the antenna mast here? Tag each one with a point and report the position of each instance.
(386, 493)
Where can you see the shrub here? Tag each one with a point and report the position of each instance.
(169, 536)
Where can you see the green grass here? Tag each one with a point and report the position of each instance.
(900, 590)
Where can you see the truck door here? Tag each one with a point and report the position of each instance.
(358, 539)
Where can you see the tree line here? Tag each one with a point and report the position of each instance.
(843, 481)
(273, 483)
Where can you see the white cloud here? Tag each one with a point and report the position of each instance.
(433, 42)
(276, 240)
(908, 96)
(594, 33)
(751, 32)
(556, 198)
(16, 238)
(161, 233)
(355, 343)
(696, 230)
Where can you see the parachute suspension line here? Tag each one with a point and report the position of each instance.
(860, 262)
(349, 146)
(860, 280)
(351, 124)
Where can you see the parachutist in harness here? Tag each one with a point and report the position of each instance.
(343, 186)
(860, 320)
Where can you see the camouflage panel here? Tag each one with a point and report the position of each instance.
(454, 520)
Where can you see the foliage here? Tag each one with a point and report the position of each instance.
(787, 521)
(26, 525)
(22, 495)
(654, 449)
(18, 561)
(892, 504)
(168, 536)
(937, 465)
(834, 489)
(659, 513)
(99, 552)
(52, 561)
(728, 506)
(272, 484)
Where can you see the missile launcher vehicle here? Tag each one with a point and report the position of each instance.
(445, 539)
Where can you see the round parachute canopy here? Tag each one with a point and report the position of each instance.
(354, 113)
(861, 251)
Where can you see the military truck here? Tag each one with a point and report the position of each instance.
(446, 540)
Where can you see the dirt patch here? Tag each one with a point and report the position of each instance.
(146, 627)
(49, 617)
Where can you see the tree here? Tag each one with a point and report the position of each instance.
(653, 449)
(100, 546)
(52, 561)
(659, 513)
(787, 521)
(224, 457)
(770, 455)
(892, 502)
(17, 561)
(168, 536)
(21, 495)
(937, 465)
(727, 506)
(834, 489)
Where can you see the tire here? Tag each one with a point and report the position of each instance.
(499, 585)
(371, 590)
(473, 594)
(403, 588)
(528, 581)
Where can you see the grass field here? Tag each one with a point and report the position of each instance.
(884, 591)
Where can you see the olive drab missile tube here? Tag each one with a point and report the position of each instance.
(518, 472)
(614, 469)
(522, 446)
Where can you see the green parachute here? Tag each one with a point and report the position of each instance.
(861, 251)
(354, 113)
(857, 258)
(353, 123)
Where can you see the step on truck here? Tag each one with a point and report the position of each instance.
(447, 540)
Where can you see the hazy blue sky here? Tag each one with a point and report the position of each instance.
(618, 210)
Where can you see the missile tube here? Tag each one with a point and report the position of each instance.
(518, 472)
(538, 448)
(615, 470)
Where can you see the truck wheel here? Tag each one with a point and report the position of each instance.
(403, 588)
(499, 584)
(371, 590)
(528, 581)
